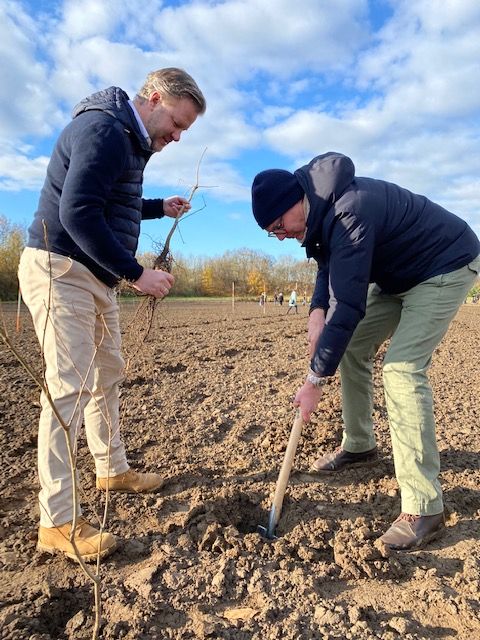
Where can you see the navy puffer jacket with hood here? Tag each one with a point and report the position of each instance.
(91, 200)
(362, 230)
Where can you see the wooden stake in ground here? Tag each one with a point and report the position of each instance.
(19, 302)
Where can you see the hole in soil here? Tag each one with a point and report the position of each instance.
(59, 609)
(241, 511)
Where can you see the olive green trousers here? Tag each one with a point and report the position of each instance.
(416, 322)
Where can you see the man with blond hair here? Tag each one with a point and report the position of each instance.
(81, 243)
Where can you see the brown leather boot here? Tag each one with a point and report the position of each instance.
(410, 531)
(131, 482)
(341, 459)
(88, 540)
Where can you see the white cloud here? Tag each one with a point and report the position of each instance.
(88, 45)
(278, 37)
(27, 106)
(418, 122)
(89, 18)
(426, 62)
(20, 172)
(95, 63)
(284, 79)
(271, 114)
(177, 169)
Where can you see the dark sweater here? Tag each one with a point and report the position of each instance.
(91, 200)
(361, 230)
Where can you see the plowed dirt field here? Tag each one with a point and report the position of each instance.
(207, 403)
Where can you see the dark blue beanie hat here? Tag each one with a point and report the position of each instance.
(274, 191)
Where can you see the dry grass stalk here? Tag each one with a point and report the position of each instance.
(40, 381)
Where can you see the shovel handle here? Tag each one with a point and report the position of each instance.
(284, 474)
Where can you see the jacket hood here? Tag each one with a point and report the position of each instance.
(113, 101)
(324, 179)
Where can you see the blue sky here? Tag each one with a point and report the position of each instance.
(394, 85)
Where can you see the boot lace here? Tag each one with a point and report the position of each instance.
(408, 517)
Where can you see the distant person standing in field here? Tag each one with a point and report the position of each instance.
(280, 298)
(391, 264)
(91, 205)
(292, 302)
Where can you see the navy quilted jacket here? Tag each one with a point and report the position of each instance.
(91, 200)
(361, 230)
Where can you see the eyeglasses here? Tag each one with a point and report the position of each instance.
(278, 228)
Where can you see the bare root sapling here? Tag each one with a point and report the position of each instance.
(139, 327)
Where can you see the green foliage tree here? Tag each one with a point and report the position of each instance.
(12, 242)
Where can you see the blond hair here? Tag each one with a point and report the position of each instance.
(175, 83)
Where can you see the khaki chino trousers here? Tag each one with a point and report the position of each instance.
(416, 321)
(76, 320)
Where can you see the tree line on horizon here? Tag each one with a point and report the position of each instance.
(250, 272)
(246, 271)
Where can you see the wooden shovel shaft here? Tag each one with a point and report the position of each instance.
(284, 474)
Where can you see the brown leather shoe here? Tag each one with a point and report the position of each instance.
(341, 459)
(410, 531)
(131, 482)
(88, 540)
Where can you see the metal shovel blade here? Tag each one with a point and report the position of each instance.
(268, 532)
(264, 533)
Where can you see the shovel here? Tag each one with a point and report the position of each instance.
(283, 476)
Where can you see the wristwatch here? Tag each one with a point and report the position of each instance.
(317, 381)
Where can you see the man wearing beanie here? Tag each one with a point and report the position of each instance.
(391, 264)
